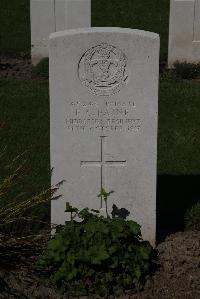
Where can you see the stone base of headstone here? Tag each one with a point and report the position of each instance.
(42, 25)
(184, 32)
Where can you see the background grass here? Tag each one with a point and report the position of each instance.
(150, 15)
(24, 114)
(15, 27)
(179, 127)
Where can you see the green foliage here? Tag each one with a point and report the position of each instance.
(42, 68)
(25, 120)
(122, 213)
(187, 70)
(168, 75)
(181, 71)
(15, 207)
(15, 27)
(96, 255)
(179, 127)
(104, 195)
(192, 218)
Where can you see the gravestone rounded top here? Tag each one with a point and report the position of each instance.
(94, 30)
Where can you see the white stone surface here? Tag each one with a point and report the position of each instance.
(42, 25)
(103, 105)
(60, 15)
(184, 31)
(78, 14)
(48, 16)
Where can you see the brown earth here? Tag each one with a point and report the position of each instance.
(177, 274)
(15, 68)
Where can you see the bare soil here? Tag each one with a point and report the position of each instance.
(15, 68)
(177, 274)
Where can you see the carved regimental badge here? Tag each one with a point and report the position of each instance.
(102, 69)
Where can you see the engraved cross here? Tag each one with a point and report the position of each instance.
(103, 163)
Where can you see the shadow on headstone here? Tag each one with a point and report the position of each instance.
(175, 194)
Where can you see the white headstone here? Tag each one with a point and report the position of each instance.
(103, 104)
(184, 31)
(48, 16)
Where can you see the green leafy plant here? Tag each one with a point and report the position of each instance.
(15, 207)
(96, 254)
(104, 195)
(187, 70)
(168, 75)
(192, 217)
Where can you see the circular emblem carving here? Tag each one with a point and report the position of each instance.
(102, 69)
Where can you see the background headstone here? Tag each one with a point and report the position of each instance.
(48, 16)
(42, 25)
(184, 31)
(103, 103)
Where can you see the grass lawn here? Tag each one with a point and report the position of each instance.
(15, 27)
(179, 128)
(24, 114)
